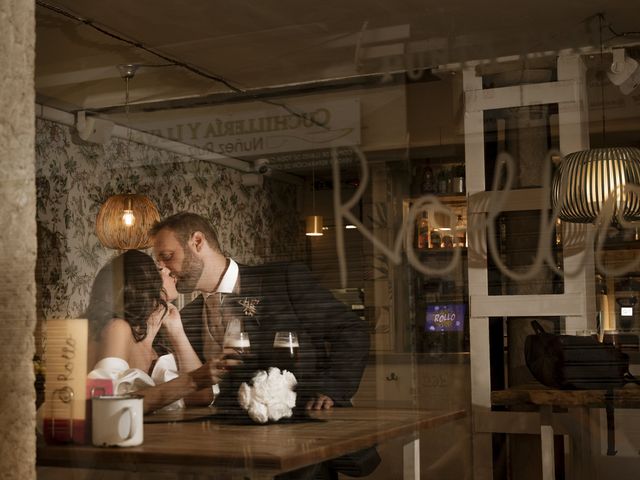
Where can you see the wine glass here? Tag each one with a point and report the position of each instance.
(285, 347)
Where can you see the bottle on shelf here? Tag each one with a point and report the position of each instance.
(447, 238)
(461, 232)
(428, 181)
(436, 238)
(458, 179)
(442, 181)
(423, 232)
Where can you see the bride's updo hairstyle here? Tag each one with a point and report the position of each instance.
(128, 287)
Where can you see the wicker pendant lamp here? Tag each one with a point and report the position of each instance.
(124, 221)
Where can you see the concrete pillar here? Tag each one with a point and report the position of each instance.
(17, 239)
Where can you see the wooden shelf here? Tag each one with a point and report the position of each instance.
(621, 245)
(443, 197)
(430, 251)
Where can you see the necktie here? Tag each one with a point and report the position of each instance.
(213, 326)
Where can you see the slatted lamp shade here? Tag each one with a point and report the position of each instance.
(124, 221)
(591, 176)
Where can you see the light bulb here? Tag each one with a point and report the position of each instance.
(128, 218)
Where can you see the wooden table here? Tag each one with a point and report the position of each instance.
(579, 403)
(261, 451)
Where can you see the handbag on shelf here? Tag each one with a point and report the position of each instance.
(572, 362)
(575, 362)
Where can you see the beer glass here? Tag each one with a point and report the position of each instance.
(238, 341)
(285, 348)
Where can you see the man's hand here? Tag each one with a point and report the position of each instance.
(321, 402)
(212, 372)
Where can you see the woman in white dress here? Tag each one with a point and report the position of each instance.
(137, 339)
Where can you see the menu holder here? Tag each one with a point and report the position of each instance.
(65, 417)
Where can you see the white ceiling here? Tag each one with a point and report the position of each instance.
(268, 43)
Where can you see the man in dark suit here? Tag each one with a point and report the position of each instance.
(334, 342)
(285, 298)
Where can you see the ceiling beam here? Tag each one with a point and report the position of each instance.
(268, 93)
(77, 76)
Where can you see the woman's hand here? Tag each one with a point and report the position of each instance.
(172, 322)
(186, 357)
(154, 322)
(212, 372)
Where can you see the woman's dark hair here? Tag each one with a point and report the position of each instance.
(128, 287)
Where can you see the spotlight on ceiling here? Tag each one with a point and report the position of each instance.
(625, 72)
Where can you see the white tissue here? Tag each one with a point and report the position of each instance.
(127, 380)
(270, 397)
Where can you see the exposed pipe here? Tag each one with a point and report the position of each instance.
(120, 131)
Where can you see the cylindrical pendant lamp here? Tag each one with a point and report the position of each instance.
(124, 221)
(314, 226)
(313, 222)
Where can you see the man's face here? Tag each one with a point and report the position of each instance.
(183, 263)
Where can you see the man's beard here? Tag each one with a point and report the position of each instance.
(190, 272)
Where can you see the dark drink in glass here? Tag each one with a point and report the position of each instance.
(285, 351)
(238, 341)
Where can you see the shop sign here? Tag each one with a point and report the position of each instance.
(269, 130)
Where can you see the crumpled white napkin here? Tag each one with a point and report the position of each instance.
(128, 380)
(125, 380)
(271, 396)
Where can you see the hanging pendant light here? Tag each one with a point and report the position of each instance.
(591, 178)
(585, 180)
(314, 226)
(124, 221)
(313, 222)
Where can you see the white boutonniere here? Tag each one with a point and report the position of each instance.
(249, 306)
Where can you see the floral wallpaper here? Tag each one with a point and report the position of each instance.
(254, 224)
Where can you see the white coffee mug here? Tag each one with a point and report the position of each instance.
(117, 421)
